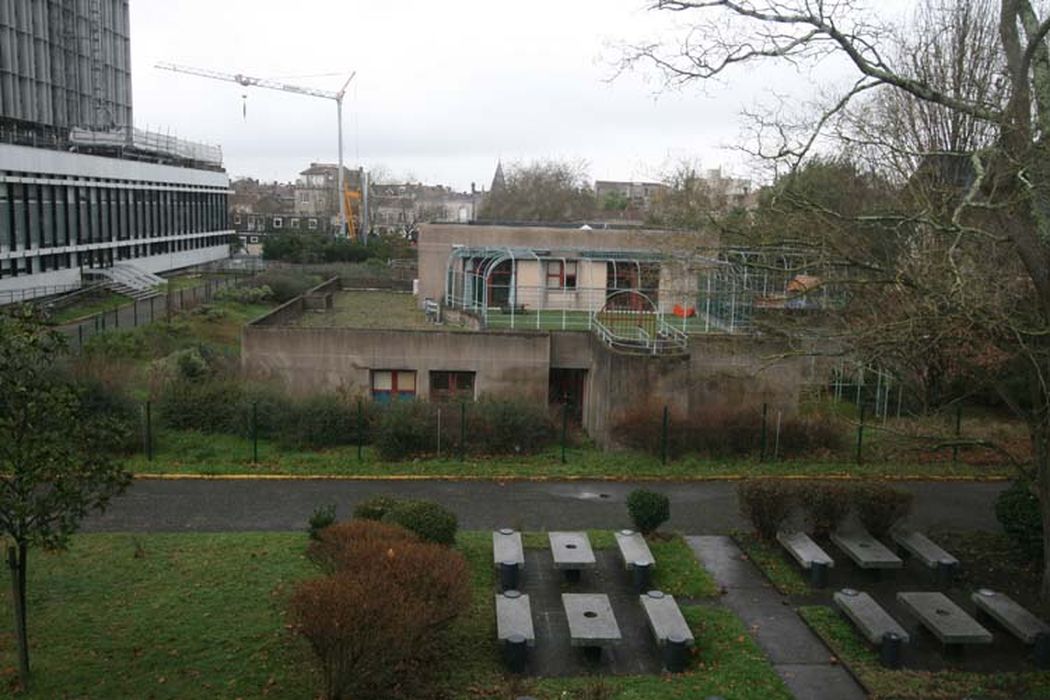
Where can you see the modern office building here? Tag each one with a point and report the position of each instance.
(82, 192)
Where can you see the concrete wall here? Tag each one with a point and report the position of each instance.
(436, 241)
(311, 360)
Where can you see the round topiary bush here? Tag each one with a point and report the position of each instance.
(766, 503)
(432, 522)
(880, 506)
(1017, 510)
(374, 508)
(648, 509)
(825, 504)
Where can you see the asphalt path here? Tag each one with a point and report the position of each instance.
(697, 507)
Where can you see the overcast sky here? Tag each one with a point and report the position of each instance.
(443, 89)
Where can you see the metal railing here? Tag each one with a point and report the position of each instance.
(17, 296)
(666, 340)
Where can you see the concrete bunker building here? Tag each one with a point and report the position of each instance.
(82, 192)
(605, 321)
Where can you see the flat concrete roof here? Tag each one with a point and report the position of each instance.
(368, 309)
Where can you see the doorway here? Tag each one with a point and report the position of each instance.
(566, 387)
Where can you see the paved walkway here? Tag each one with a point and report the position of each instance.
(797, 655)
(707, 507)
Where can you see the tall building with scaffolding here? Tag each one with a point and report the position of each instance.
(84, 194)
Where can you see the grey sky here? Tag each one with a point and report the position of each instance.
(442, 90)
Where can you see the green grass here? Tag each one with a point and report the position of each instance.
(200, 615)
(192, 452)
(104, 301)
(769, 557)
(374, 310)
(884, 684)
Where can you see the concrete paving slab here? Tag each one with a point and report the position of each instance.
(820, 682)
(725, 562)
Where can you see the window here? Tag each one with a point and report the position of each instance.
(253, 239)
(278, 222)
(304, 197)
(312, 224)
(451, 386)
(294, 223)
(561, 274)
(236, 218)
(393, 385)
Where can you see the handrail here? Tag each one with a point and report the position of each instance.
(642, 343)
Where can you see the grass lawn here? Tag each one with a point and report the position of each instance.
(769, 557)
(883, 683)
(200, 615)
(376, 310)
(190, 452)
(103, 301)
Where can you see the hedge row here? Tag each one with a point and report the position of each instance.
(768, 503)
(721, 430)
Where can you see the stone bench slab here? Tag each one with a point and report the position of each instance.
(948, 622)
(633, 548)
(804, 550)
(1009, 613)
(923, 548)
(866, 551)
(869, 617)
(514, 616)
(665, 617)
(507, 547)
(591, 620)
(571, 550)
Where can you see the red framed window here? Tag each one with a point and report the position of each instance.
(561, 274)
(393, 385)
(451, 386)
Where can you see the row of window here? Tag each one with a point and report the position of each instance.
(253, 223)
(104, 257)
(44, 216)
(400, 385)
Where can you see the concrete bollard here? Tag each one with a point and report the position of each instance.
(818, 574)
(1042, 650)
(676, 653)
(890, 650)
(642, 575)
(514, 653)
(508, 575)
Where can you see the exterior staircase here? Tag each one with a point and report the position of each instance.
(126, 279)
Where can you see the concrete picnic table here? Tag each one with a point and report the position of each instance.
(949, 623)
(591, 620)
(571, 552)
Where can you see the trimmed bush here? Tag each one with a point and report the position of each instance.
(286, 285)
(432, 522)
(245, 295)
(325, 420)
(272, 410)
(101, 402)
(374, 508)
(825, 504)
(374, 624)
(766, 503)
(508, 426)
(1017, 510)
(879, 506)
(340, 545)
(648, 509)
(322, 517)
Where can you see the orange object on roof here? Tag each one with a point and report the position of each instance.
(683, 312)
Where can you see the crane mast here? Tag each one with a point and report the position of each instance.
(250, 81)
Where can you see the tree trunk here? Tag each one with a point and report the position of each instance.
(1041, 453)
(16, 560)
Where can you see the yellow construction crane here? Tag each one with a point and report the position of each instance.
(349, 197)
(249, 81)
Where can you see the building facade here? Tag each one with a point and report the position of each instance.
(80, 188)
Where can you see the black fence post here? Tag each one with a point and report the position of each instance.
(255, 432)
(564, 428)
(135, 314)
(360, 430)
(860, 434)
(116, 317)
(149, 432)
(663, 436)
(80, 336)
(463, 431)
(151, 299)
(765, 414)
(958, 434)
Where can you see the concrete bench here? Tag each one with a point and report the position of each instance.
(948, 622)
(508, 555)
(866, 551)
(592, 624)
(809, 555)
(669, 628)
(637, 558)
(514, 627)
(877, 626)
(571, 552)
(928, 552)
(1018, 621)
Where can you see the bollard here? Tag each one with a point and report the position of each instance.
(642, 575)
(818, 574)
(890, 650)
(676, 653)
(508, 576)
(514, 651)
(1042, 650)
(945, 572)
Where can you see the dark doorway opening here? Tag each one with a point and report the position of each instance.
(566, 387)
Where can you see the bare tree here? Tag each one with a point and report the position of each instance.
(970, 268)
(543, 191)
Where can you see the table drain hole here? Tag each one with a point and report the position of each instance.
(590, 613)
